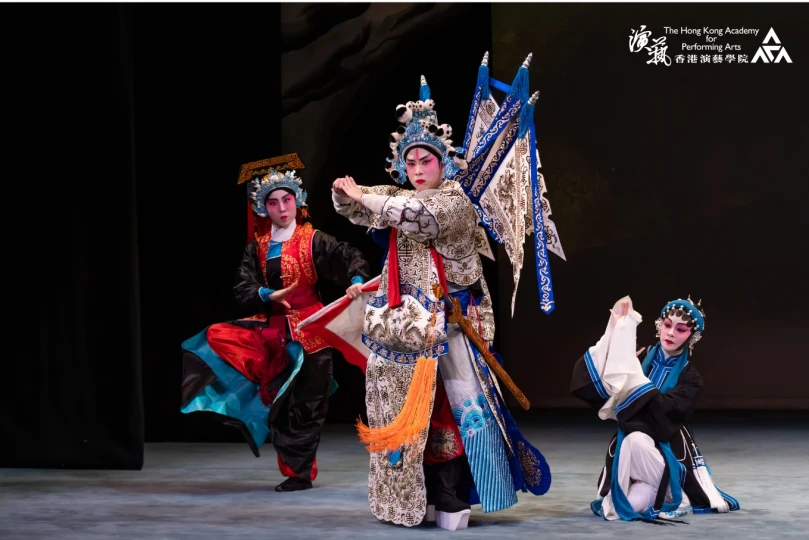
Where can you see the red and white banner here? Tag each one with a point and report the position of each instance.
(340, 325)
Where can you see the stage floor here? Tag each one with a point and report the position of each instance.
(220, 491)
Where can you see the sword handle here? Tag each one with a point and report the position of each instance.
(454, 313)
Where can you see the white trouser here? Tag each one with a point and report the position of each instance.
(640, 472)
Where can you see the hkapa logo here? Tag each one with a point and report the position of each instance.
(767, 53)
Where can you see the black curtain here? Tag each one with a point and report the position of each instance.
(129, 125)
(72, 390)
(123, 271)
(208, 100)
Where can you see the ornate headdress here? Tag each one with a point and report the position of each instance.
(420, 128)
(272, 181)
(685, 307)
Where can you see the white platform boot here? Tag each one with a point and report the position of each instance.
(451, 513)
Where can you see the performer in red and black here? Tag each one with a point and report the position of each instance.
(261, 375)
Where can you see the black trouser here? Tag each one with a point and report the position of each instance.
(297, 418)
(448, 484)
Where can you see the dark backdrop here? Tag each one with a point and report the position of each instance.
(664, 182)
(207, 93)
(218, 94)
(134, 120)
(72, 393)
(344, 70)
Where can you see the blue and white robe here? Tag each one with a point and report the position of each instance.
(656, 397)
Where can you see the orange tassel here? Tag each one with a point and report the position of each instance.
(412, 419)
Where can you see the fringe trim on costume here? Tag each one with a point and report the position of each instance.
(412, 419)
(519, 88)
(483, 82)
(526, 119)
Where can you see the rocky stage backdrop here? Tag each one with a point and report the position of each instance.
(665, 180)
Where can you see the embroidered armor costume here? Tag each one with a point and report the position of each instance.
(435, 237)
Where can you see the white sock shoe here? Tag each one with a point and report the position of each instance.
(456, 521)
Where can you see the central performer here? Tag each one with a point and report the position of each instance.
(439, 433)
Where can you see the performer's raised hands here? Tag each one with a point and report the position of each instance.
(337, 187)
(280, 295)
(621, 308)
(346, 187)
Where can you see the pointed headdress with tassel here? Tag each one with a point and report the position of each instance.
(420, 129)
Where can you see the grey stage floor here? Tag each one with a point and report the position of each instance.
(221, 491)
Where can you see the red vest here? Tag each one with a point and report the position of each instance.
(296, 265)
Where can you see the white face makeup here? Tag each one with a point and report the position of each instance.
(281, 206)
(674, 333)
(424, 170)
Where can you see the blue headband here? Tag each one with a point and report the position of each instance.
(689, 308)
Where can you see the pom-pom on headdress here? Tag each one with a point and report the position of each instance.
(420, 128)
(272, 181)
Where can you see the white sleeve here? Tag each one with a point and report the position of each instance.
(359, 214)
(407, 214)
(613, 365)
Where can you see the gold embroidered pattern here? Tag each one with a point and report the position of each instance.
(485, 311)
(296, 265)
(290, 270)
(263, 166)
(257, 317)
(444, 443)
(529, 465)
(396, 494)
(307, 233)
(457, 222)
(311, 343)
